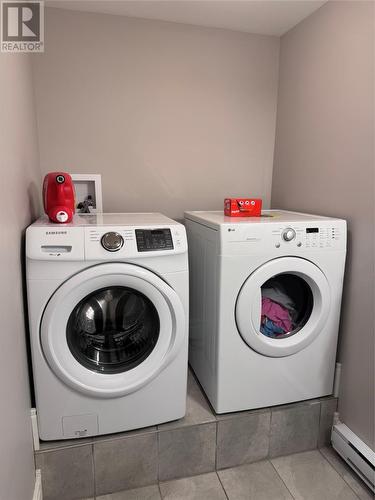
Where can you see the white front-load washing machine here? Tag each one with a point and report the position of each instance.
(108, 305)
(265, 306)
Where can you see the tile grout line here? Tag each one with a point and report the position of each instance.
(158, 457)
(161, 496)
(52, 449)
(270, 435)
(281, 479)
(93, 468)
(320, 419)
(341, 476)
(225, 491)
(216, 436)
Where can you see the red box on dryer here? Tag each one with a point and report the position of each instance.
(242, 207)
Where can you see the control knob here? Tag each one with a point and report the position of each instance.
(112, 241)
(288, 234)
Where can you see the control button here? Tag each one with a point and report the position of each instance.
(112, 241)
(299, 244)
(62, 216)
(288, 234)
(277, 245)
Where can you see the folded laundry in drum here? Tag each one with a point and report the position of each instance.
(278, 314)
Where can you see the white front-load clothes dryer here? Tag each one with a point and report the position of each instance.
(108, 305)
(244, 272)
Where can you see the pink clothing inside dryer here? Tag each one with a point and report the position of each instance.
(277, 313)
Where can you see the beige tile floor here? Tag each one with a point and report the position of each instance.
(311, 475)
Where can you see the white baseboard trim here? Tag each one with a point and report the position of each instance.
(38, 493)
(355, 453)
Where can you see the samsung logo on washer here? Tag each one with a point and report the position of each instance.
(56, 232)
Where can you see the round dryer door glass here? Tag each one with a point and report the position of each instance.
(113, 329)
(287, 303)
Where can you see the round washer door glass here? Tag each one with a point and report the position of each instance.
(283, 306)
(113, 329)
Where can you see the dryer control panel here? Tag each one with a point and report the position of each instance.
(323, 236)
(293, 237)
(315, 236)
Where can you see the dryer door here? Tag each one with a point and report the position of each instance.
(283, 306)
(111, 328)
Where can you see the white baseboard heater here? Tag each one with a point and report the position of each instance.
(355, 452)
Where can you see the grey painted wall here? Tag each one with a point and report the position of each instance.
(324, 164)
(174, 117)
(19, 187)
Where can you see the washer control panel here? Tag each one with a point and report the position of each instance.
(104, 242)
(150, 240)
(133, 242)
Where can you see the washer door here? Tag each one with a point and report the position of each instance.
(283, 306)
(111, 328)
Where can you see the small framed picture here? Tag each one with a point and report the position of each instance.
(88, 188)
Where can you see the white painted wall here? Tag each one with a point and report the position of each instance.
(19, 205)
(174, 117)
(324, 164)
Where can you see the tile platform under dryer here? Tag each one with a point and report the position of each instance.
(200, 443)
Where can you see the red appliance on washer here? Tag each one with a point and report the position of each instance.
(59, 197)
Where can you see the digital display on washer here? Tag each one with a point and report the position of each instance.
(312, 230)
(151, 240)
